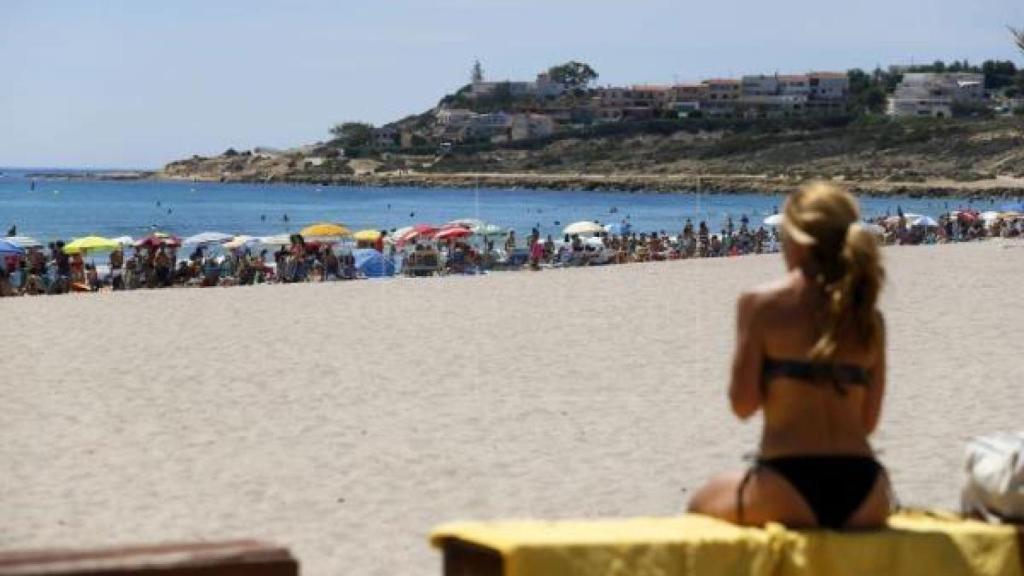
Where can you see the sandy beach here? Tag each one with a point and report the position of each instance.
(346, 419)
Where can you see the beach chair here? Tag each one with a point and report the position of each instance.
(423, 264)
(913, 544)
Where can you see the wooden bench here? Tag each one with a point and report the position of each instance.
(914, 544)
(231, 558)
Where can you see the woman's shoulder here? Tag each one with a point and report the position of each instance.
(765, 294)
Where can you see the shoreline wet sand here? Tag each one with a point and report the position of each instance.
(346, 419)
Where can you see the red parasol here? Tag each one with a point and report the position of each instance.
(453, 232)
(419, 231)
(158, 239)
(967, 217)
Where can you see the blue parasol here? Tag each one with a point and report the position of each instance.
(8, 248)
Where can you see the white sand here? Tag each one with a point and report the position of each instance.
(345, 420)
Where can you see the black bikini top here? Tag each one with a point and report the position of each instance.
(839, 375)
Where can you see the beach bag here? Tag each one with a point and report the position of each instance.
(995, 477)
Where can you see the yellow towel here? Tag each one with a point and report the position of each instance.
(915, 543)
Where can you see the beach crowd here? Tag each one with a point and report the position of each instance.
(163, 260)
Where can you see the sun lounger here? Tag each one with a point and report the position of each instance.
(914, 544)
(235, 558)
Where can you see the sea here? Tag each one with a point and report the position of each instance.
(57, 208)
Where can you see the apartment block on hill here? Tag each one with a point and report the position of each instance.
(934, 94)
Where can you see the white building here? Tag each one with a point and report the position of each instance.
(829, 85)
(454, 117)
(933, 94)
(542, 87)
(526, 126)
(760, 85)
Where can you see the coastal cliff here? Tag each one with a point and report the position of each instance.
(882, 157)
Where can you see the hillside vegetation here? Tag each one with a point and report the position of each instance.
(862, 151)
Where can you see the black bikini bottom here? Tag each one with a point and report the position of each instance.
(833, 487)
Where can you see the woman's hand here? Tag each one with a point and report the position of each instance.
(745, 389)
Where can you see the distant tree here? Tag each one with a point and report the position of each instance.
(868, 92)
(477, 75)
(354, 134)
(573, 74)
(874, 99)
(1018, 37)
(999, 74)
(230, 152)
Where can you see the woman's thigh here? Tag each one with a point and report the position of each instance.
(766, 497)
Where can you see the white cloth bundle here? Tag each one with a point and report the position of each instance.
(995, 477)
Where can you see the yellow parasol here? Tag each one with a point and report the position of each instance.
(367, 235)
(91, 244)
(325, 230)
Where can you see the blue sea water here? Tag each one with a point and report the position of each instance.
(69, 208)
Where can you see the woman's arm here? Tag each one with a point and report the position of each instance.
(745, 388)
(876, 389)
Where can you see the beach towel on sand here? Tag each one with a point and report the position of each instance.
(915, 543)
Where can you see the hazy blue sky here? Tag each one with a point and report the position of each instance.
(138, 83)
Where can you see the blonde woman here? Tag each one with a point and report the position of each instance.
(810, 355)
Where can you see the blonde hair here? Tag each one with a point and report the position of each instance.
(843, 261)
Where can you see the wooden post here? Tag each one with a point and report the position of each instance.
(232, 558)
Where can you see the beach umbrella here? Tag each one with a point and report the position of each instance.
(1010, 215)
(417, 231)
(124, 240)
(325, 232)
(618, 228)
(8, 248)
(910, 218)
(368, 235)
(278, 240)
(773, 220)
(207, 238)
(990, 216)
(24, 241)
(157, 239)
(489, 230)
(452, 233)
(967, 217)
(471, 223)
(582, 228)
(241, 241)
(925, 221)
(91, 244)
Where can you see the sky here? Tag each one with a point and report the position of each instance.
(136, 84)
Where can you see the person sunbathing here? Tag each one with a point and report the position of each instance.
(810, 355)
